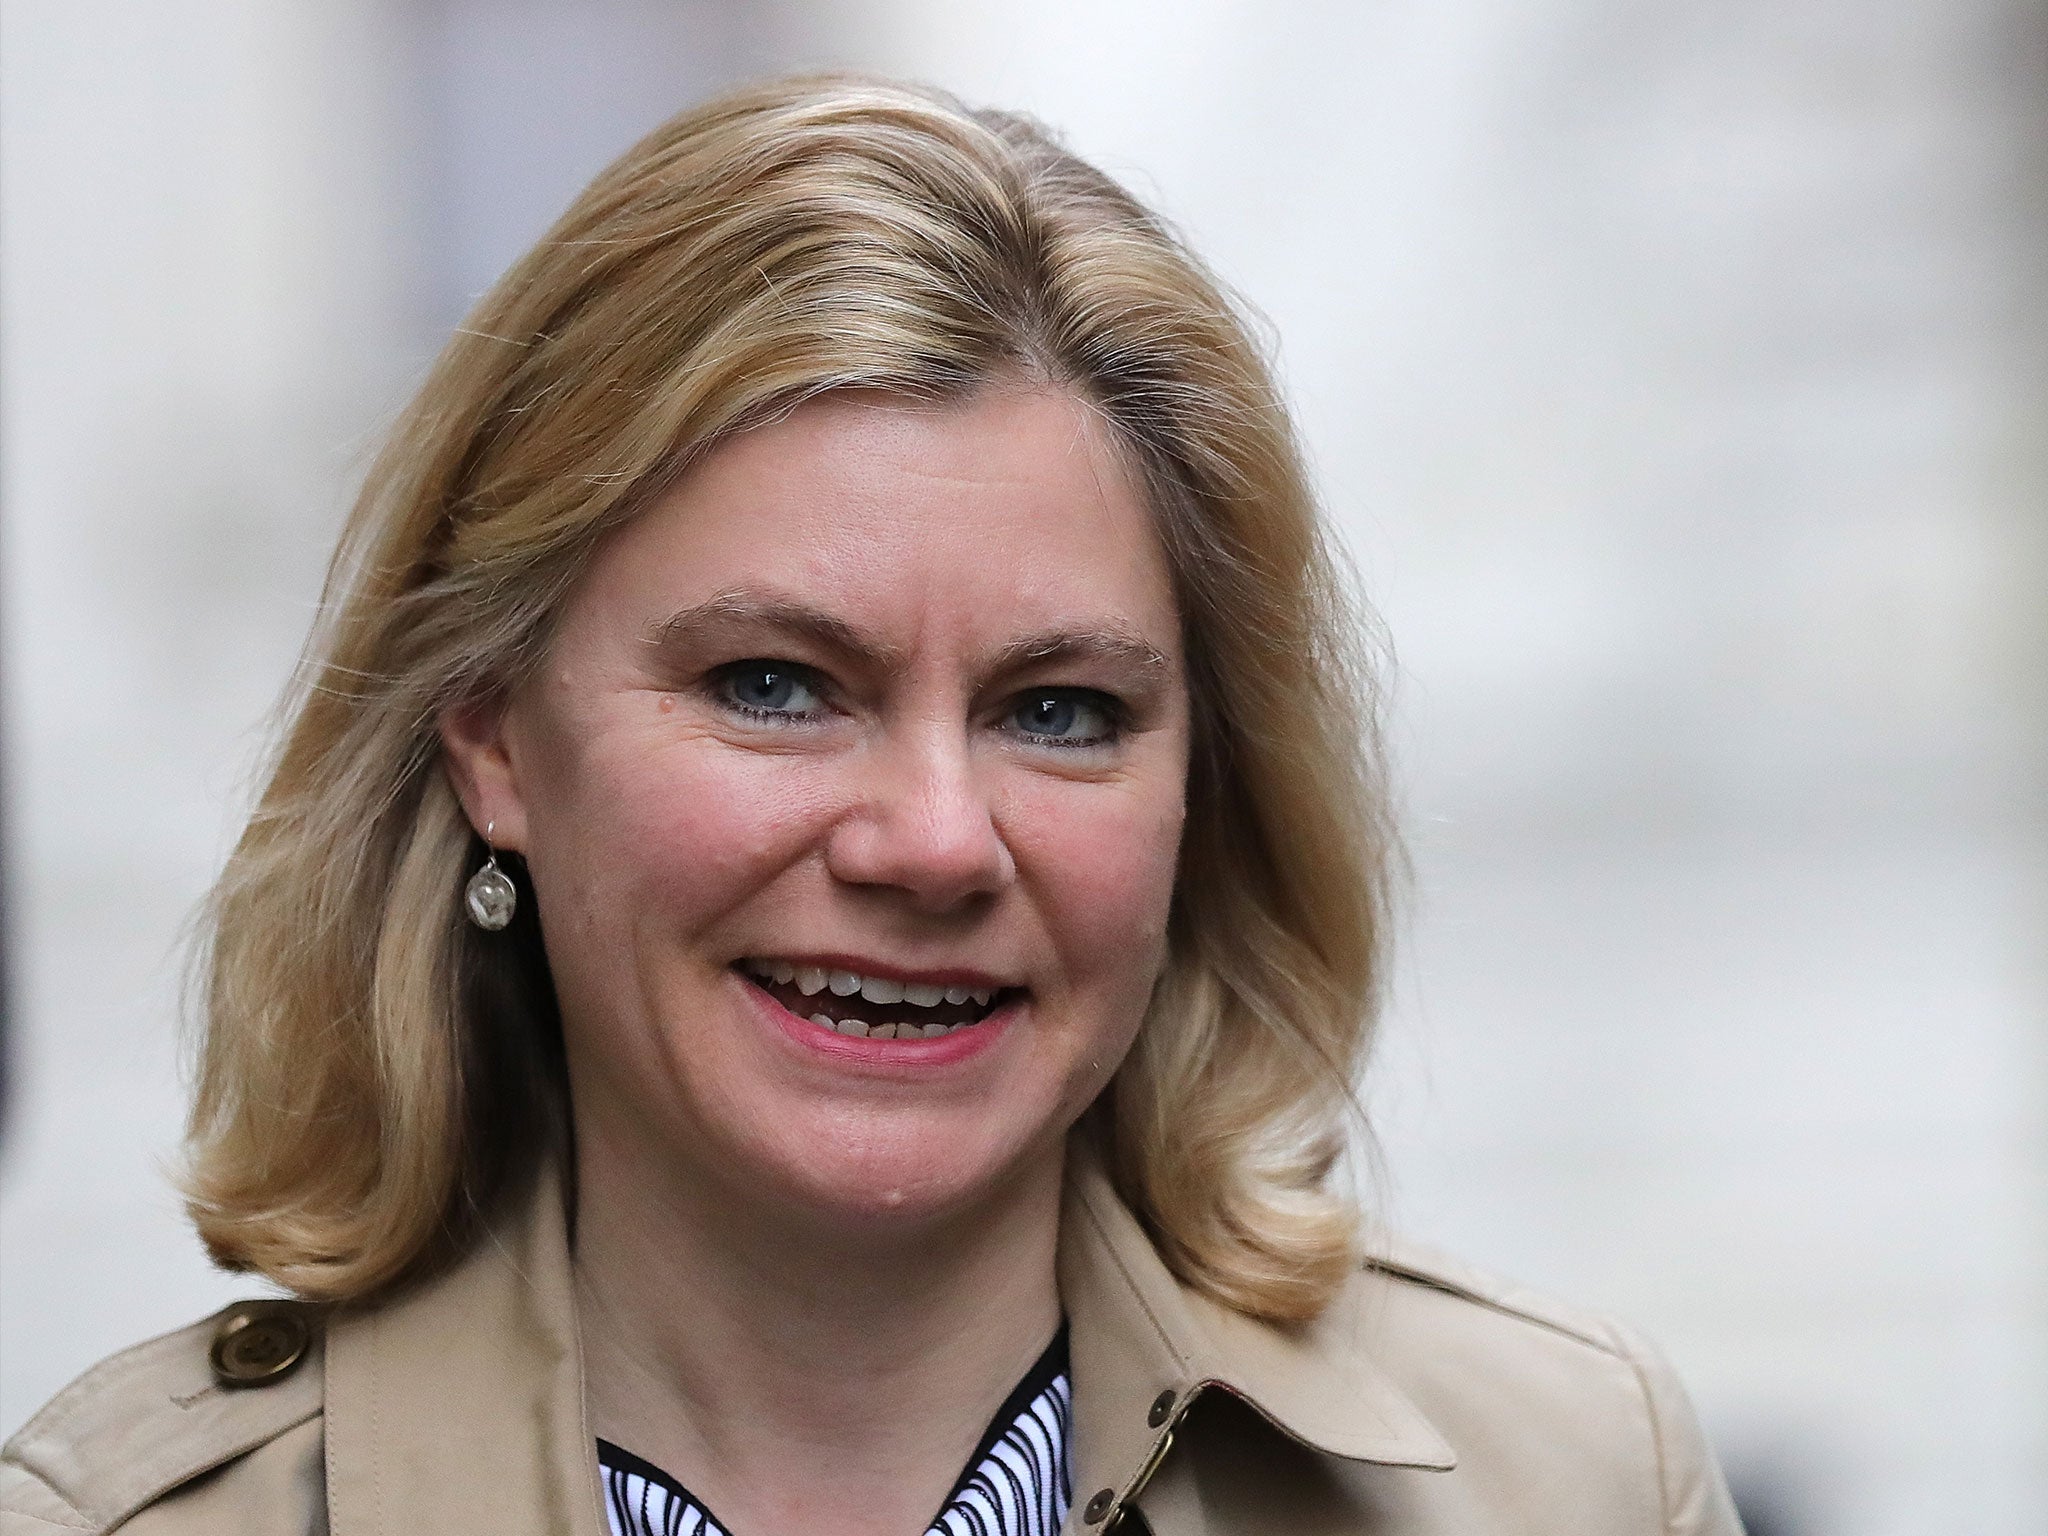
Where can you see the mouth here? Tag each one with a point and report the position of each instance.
(876, 1007)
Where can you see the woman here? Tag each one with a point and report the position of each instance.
(802, 962)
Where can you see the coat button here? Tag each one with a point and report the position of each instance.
(259, 1342)
(1099, 1506)
(1162, 1406)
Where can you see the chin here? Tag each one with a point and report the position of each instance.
(882, 1172)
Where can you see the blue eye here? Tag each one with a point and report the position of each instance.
(1065, 717)
(768, 689)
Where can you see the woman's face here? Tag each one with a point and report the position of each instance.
(851, 792)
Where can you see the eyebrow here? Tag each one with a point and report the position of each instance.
(1114, 644)
(741, 609)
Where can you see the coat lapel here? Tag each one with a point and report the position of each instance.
(1145, 1349)
(458, 1407)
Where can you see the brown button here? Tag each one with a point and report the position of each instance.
(1162, 1406)
(1099, 1506)
(259, 1342)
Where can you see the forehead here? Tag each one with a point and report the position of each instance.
(1012, 509)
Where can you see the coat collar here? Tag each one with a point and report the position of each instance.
(1145, 1347)
(459, 1405)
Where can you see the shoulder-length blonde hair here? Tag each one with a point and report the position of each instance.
(374, 1072)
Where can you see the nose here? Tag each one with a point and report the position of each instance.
(922, 824)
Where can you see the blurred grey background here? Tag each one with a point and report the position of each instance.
(1677, 375)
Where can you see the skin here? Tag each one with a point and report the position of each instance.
(892, 687)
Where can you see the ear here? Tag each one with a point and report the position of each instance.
(480, 763)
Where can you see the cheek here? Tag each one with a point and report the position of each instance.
(1103, 865)
(668, 830)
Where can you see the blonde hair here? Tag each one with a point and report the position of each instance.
(374, 1073)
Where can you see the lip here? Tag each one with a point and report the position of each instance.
(962, 1045)
(883, 971)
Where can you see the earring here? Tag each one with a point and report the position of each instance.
(490, 896)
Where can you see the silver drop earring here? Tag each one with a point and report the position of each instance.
(490, 897)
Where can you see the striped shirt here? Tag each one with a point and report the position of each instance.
(1017, 1482)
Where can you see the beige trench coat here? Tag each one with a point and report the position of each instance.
(1428, 1401)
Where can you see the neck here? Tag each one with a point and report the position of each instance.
(794, 1373)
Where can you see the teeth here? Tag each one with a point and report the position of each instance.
(860, 1029)
(780, 971)
(810, 980)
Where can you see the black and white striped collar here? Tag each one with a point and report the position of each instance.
(1018, 1482)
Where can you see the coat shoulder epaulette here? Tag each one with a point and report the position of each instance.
(144, 1421)
(1405, 1261)
(1447, 1326)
